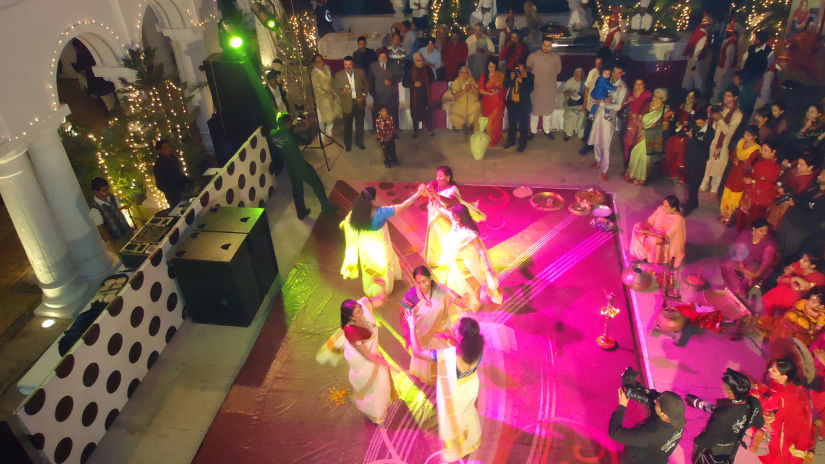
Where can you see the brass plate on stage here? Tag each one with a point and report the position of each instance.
(522, 192)
(580, 208)
(547, 201)
(592, 196)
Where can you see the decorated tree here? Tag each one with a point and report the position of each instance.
(153, 107)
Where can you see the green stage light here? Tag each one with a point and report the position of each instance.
(271, 24)
(236, 42)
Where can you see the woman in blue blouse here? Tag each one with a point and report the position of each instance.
(369, 249)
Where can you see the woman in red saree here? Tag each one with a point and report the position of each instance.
(796, 282)
(491, 87)
(760, 187)
(676, 143)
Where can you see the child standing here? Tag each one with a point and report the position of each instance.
(386, 136)
(599, 92)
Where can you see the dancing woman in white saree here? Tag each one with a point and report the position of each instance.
(459, 426)
(368, 370)
(369, 248)
(465, 265)
(432, 303)
(443, 194)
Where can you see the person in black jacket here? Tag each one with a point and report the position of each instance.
(519, 85)
(699, 136)
(169, 177)
(729, 418)
(653, 440)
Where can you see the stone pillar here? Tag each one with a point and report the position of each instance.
(190, 51)
(63, 288)
(70, 210)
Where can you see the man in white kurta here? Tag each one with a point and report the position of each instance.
(545, 67)
(479, 37)
(725, 124)
(602, 131)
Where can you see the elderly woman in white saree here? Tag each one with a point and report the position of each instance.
(465, 265)
(459, 426)
(369, 249)
(432, 303)
(368, 371)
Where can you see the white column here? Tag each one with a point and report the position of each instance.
(71, 211)
(63, 287)
(190, 51)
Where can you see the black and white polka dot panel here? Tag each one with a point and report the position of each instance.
(71, 411)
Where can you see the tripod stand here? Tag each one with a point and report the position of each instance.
(314, 117)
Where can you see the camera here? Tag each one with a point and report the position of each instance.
(716, 108)
(517, 71)
(635, 390)
(698, 403)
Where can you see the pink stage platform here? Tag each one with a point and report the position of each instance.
(547, 390)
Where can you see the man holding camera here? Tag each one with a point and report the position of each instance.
(653, 440)
(519, 85)
(730, 418)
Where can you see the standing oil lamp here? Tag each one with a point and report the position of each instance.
(608, 311)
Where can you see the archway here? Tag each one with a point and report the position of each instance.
(152, 37)
(89, 97)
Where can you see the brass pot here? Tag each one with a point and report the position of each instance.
(637, 279)
(671, 320)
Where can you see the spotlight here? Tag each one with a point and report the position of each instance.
(235, 42)
(272, 24)
(47, 323)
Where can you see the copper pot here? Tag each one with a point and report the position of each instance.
(637, 279)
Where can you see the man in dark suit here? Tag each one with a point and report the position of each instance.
(351, 84)
(699, 136)
(519, 85)
(384, 76)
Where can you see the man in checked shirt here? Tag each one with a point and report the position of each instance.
(386, 136)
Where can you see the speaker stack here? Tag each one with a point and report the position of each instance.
(226, 266)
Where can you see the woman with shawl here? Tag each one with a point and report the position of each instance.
(648, 141)
(326, 100)
(573, 92)
(465, 107)
(663, 230)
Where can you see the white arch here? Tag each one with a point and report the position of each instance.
(168, 13)
(103, 43)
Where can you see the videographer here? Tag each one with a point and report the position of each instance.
(729, 420)
(653, 440)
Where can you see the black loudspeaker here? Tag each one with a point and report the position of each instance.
(216, 278)
(236, 102)
(252, 223)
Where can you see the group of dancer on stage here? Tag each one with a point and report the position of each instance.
(445, 344)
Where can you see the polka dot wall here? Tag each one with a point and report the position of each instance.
(68, 415)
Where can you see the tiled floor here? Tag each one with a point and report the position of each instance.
(169, 414)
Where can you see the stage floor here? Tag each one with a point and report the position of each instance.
(547, 390)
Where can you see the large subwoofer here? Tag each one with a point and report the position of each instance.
(252, 223)
(216, 278)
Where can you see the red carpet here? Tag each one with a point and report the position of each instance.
(547, 390)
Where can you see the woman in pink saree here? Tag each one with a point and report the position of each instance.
(662, 237)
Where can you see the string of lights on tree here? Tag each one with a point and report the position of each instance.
(445, 9)
(154, 108)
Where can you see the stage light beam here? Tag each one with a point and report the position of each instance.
(236, 42)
